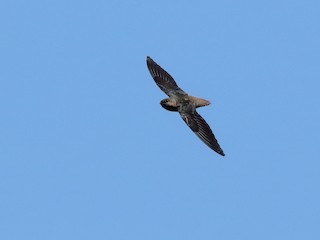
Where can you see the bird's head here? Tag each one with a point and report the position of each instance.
(169, 104)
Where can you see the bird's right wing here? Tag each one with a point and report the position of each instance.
(163, 79)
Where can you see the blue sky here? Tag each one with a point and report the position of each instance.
(87, 152)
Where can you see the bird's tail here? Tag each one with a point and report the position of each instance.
(200, 102)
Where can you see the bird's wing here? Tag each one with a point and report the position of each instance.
(163, 79)
(199, 126)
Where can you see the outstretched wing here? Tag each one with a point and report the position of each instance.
(199, 126)
(163, 79)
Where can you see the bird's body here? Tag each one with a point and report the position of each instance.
(180, 101)
(185, 102)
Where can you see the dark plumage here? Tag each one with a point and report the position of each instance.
(180, 101)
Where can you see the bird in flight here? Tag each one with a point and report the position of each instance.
(180, 101)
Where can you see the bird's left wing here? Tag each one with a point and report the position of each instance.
(199, 126)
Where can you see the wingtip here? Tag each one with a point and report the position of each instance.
(220, 151)
(149, 60)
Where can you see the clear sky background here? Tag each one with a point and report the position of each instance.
(87, 152)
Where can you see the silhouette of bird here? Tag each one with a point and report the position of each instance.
(180, 101)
